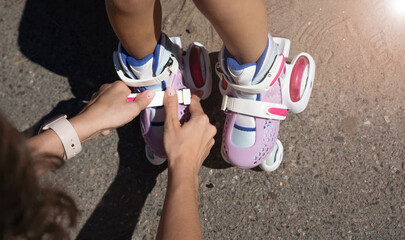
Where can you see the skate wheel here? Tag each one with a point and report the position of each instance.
(273, 161)
(300, 79)
(197, 69)
(195, 66)
(155, 160)
(299, 75)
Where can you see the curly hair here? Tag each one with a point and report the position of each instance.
(28, 210)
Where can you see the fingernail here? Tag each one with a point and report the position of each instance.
(150, 94)
(170, 91)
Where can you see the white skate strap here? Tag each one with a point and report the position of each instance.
(262, 87)
(254, 108)
(184, 97)
(171, 68)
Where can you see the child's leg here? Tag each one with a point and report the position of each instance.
(243, 67)
(241, 24)
(137, 24)
(147, 59)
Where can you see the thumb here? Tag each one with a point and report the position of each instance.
(171, 106)
(142, 101)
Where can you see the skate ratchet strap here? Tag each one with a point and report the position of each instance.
(184, 97)
(171, 67)
(254, 108)
(268, 81)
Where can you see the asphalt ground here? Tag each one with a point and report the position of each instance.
(343, 173)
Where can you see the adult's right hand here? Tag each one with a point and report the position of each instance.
(187, 145)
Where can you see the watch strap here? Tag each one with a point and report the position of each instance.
(67, 135)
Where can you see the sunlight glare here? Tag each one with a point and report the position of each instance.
(398, 6)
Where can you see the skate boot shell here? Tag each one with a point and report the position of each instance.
(163, 68)
(256, 97)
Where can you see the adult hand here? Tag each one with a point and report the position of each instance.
(109, 109)
(186, 147)
(189, 144)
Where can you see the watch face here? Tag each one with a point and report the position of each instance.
(45, 126)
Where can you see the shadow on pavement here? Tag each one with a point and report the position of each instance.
(74, 39)
(212, 106)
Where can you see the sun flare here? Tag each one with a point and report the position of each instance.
(398, 6)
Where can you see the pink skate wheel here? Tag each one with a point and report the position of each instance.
(224, 84)
(296, 78)
(195, 66)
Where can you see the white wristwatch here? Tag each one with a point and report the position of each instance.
(67, 134)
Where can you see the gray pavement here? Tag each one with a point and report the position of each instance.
(343, 174)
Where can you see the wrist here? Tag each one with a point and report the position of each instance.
(67, 135)
(182, 172)
(182, 165)
(84, 125)
(183, 181)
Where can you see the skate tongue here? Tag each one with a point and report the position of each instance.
(141, 68)
(241, 74)
(243, 134)
(153, 64)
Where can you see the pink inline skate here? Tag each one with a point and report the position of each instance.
(256, 97)
(164, 67)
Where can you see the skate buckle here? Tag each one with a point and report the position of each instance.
(183, 95)
(224, 105)
(169, 64)
(254, 108)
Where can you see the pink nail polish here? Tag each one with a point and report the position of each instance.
(170, 91)
(150, 94)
